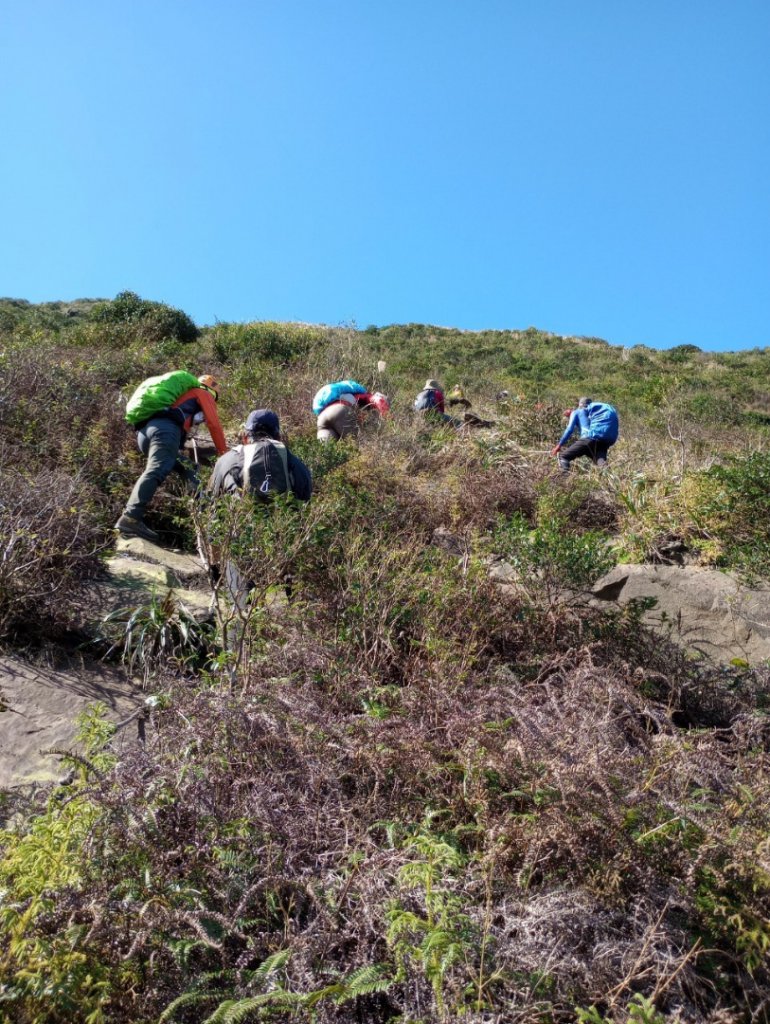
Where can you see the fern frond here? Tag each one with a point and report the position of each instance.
(404, 922)
(182, 948)
(452, 955)
(270, 965)
(336, 992)
(218, 1016)
(237, 1011)
(364, 981)
(70, 755)
(360, 982)
(187, 999)
(437, 940)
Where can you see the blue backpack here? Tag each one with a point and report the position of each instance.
(603, 423)
(426, 400)
(331, 392)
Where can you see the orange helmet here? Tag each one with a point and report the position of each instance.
(209, 382)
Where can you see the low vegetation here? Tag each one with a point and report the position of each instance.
(391, 789)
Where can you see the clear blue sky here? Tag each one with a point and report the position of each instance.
(588, 167)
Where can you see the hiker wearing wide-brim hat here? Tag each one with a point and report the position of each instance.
(430, 400)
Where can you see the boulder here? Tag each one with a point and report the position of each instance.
(709, 612)
(43, 702)
(201, 450)
(43, 705)
(146, 572)
(141, 570)
(183, 566)
(503, 572)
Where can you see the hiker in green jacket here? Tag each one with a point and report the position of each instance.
(160, 438)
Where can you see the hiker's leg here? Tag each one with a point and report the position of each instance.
(336, 421)
(325, 426)
(344, 420)
(576, 450)
(600, 454)
(159, 441)
(472, 420)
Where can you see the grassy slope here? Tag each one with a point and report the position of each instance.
(422, 796)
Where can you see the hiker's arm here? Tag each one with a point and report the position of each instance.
(573, 420)
(209, 410)
(228, 473)
(302, 481)
(217, 481)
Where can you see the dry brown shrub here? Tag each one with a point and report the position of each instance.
(49, 546)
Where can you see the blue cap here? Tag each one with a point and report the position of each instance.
(262, 421)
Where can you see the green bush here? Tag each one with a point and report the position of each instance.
(149, 321)
(274, 342)
(683, 353)
(730, 504)
(551, 558)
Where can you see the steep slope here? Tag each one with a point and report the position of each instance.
(415, 793)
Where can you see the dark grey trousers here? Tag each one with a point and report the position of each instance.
(596, 451)
(159, 440)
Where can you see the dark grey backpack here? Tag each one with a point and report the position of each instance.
(266, 469)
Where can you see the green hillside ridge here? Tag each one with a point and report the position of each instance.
(412, 795)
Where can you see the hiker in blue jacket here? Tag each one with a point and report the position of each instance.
(598, 426)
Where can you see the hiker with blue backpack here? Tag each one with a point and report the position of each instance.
(598, 424)
(162, 410)
(430, 404)
(343, 408)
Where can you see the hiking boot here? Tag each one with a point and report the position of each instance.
(130, 527)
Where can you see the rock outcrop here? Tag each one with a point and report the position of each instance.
(705, 610)
(44, 703)
(140, 569)
(43, 706)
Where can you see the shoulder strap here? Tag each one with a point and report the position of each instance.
(250, 450)
(281, 449)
